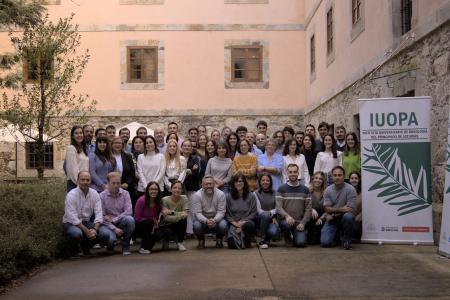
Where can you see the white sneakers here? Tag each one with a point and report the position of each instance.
(144, 251)
(181, 247)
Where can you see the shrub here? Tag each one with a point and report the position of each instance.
(30, 226)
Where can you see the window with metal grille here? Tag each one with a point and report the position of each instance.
(246, 63)
(356, 11)
(313, 53)
(31, 155)
(406, 13)
(330, 31)
(142, 64)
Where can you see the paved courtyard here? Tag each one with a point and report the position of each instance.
(366, 272)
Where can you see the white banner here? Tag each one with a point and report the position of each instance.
(396, 177)
(444, 242)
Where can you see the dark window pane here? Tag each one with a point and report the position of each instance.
(239, 74)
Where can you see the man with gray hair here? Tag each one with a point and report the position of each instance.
(159, 137)
(208, 205)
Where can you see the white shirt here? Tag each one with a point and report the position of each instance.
(303, 173)
(119, 165)
(325, 161)
(172, 171)
(150, 167)
(75, 163)
(80, 208)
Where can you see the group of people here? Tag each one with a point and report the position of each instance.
(234, 184)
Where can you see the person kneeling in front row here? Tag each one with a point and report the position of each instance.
(208, 206)
(117, 211)
(83, 217)
(294, 206)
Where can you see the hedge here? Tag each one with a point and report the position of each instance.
(30, 226)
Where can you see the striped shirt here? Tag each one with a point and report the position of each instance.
(294, 201)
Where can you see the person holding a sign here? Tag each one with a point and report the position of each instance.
(339, 204)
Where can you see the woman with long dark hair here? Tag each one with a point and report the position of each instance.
(267, 213)
(240, 213)
(150, 165)
(101, 163)
(309, 151)
(328, 158)
(211, 150)
(201, 146)
(292, 155)
(232, 141)
(146, 216)
(351, 160)
(77, 159)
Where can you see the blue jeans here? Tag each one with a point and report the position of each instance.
(345, 224)
(298, 237)
(200, 229)
(267, 228)
(76, 237)
(127, 225)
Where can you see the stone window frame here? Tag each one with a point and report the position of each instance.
(49, 151)
(357, 26)
(229, 84)
(124, 85)
(141, 2)
(52, 2)
(258, 59)
(246, 1)
(330, 51)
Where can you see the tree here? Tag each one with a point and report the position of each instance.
(44, 107)
(17, 14)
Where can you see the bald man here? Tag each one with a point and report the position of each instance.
(159, 137)
(83, 217)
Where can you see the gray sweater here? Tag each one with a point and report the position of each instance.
(241, 209)
(219, 168)
(205, 207)
(294, 201)
(337, 198)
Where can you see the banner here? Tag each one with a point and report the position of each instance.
(396, 175)
(444, 242)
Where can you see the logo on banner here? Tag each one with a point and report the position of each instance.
(401, 175)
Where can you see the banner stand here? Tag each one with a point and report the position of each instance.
(444, 241)
(396, 170)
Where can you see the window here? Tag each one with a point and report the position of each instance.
(142, 64)
(313, 54)
(330, 31)
(406, 13)
(34, 68)
(246, 62)
(31, 156)
(356, 11)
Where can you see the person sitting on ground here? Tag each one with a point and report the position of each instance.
(355, 181)
(318, 215)
(294, 207)
(146, 216)
(83, 217)
(175, 211)
(208, 205)
(267, 213)
(240, 213)
(117, 211)
(339, 204)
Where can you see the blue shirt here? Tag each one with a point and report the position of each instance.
(98, 170)
(277, 162)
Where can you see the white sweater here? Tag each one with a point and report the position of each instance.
(303, 173)
(75, 163)
(150, 167)
(325, 161)
(173, 172)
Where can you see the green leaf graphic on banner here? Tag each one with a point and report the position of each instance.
(402, 175)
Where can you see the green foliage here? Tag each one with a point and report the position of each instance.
(20, 13)
(397, 183)
(30, 226)
(45, 108)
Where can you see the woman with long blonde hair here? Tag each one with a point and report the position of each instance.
(317, 189)
(175, 165)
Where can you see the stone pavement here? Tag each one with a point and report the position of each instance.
(366, 272)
